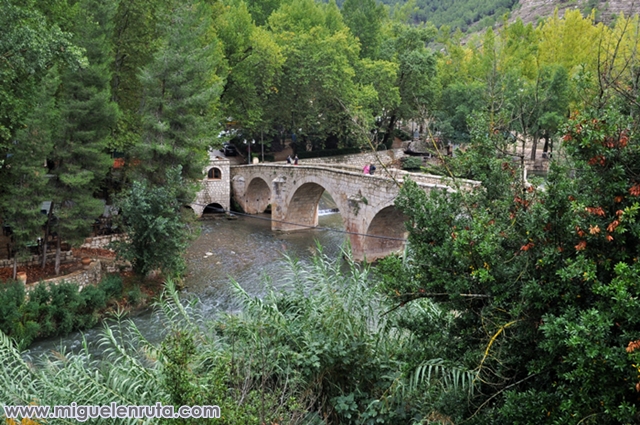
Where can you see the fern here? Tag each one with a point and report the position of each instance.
(437, 372)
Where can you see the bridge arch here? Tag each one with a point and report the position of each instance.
(303, 206)
(213, 208)
(257, 197)
(388, 224)
(302, 200)
(365, 202)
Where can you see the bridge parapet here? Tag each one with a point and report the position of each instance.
(427, 180)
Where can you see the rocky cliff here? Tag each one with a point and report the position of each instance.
(532, 10)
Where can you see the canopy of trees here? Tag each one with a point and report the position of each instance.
(515, 302)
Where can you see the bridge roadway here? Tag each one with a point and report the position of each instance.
(366, 202)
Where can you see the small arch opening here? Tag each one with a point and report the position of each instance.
(214, 173)
(213, 209)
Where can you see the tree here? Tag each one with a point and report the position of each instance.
(317, 84)
(543, 281)
(28, 48)
(26, 182)
(416, 78)
(365, 18)
(87, 116)
(157, 235)
(253, 63)
(538, 107)
(262, 9)
(136, 37)
(181, 93)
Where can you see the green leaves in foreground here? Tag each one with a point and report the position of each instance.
(317, 350)
(157, 232)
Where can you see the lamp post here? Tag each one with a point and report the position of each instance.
(253, 142)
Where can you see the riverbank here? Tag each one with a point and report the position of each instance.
(76, 301)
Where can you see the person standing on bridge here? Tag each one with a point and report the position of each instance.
(289, 160)
(295, 160)
(366, 169)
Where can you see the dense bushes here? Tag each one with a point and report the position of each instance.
(53, 310)
(411, 163)
(544, 278)
(320, 350)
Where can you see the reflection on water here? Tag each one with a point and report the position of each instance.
(244, 250)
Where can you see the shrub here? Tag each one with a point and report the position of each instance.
(12, 297)
(134, 295)
(53, 310)
(411, 163)
(111, 284)
(158, 233)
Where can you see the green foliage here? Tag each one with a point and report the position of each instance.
(416, 77)
(467, 15)
(181, 93)
(112, 286)
(542, 281)
(365, 19)
(157, 233)
(317, 93)
(87, 115)
(53, 310)
(29, 47)
(135, 39)
(327, 152)
(411, 163)
(457, 103)
(318, 350)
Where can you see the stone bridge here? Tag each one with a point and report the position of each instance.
(375, 227)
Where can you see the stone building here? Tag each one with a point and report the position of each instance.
(216, 187)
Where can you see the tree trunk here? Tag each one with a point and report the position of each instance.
(546, 142)
(15, 266)
(534, 146)
(57, 267)
(46, 237)
(390, 128)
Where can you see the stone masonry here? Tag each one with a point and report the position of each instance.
(215, 185)
(365, 201)
(359, 159)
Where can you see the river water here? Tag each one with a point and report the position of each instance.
(244, 249)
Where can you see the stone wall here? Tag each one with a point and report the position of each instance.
(100, 242)
(359, 159)
(91, 275)
(214, 190)
(34, 260)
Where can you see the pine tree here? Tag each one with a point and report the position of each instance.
(25, 182)
(87, 115)
(181, 92)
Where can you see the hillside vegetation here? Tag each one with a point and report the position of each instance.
(471, 15)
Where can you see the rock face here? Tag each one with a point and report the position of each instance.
(531, 10)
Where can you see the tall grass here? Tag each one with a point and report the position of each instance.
(318, 350)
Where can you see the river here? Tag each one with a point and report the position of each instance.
(244, 249)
